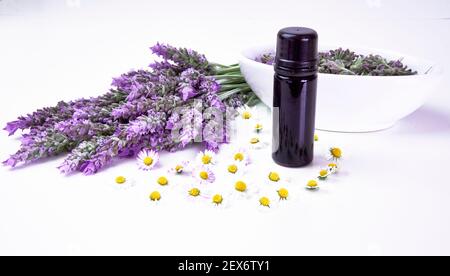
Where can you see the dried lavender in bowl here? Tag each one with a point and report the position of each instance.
(346, 62)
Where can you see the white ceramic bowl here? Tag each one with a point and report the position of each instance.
(354, 103)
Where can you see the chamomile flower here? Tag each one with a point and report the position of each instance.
(258, 127)
(147, 159)
(197, 194)
(204, 175)
(233, 168)
(264, 202)
(221, 199)
(241, 155)
(162, 181)
(323, 174)
(155, 196)
(274, 176)
(194, 192)
(122, 182)
(257, 142)
(206, 158)
(247, 113)
(243, 188)
(180, 167)
(283, 193)
(335, 154)
(312, 185)
(217, 199)
(333, 168)
(236, 168)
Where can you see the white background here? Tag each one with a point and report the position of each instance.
(393, 196)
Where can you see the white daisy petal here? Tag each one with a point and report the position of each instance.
(204, 175)
(206, 158)
(241, 155)
(147, 159)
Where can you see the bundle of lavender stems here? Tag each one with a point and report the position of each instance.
(141, 111)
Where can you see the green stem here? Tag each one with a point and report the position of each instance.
(253, 100)
(227, 94)
(228, 70)
(231, 81)
(218, 65)
(218, 77)
(232, 86)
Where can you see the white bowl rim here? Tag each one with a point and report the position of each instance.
(436, 69)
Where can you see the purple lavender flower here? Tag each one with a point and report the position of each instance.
(268, 58)
(63, 111)
(38, 145)
(193, 83)
(177, 96)
(183, 58)
(12, 127)
(187, 92)
(81, 153)
(142, 131)
(162, 66)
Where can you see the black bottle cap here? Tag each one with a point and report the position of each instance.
(297, 52)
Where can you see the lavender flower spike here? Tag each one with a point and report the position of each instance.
(12, 127)
(182, 57)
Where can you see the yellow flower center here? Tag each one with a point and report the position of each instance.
(246, 115)
(204, 175)
(148, 161)
(155, 196)
(179, 169)
(258, 127)
(194, 192)
(336, 152)
(264, 201)
(316, 137)
(254, 141)
(163, 181)
(232, 169)
(283, 193)
(121, 180)
(206, 159)
(323, 173)
(240, 186)
(275, 177)
(312, 184)
(239, 156)
(332, 165)
(217, 199)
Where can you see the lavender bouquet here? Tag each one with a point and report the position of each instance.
(183, 94)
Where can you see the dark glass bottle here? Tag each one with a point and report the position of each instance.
(294, 99)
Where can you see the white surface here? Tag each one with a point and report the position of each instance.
(340, 97)
(391, 198)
